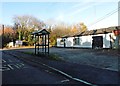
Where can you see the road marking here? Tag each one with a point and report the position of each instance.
(67, 80)
(69, 75)
(3, 61)
(10, 66)
(4, 68)
(7, 67)
(48, 71)
(20, 65)
(9, 60)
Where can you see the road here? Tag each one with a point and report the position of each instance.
(22, 68)
(15, 71)
(100, 58)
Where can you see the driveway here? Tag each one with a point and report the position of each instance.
(100, 58)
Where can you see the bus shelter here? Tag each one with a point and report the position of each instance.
(41, 38)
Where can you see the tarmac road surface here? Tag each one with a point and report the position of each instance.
(15, 71)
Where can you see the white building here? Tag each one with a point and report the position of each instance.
(99, 38)
(10, 44)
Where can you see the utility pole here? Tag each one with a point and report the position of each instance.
(2, 36)
(3, 29)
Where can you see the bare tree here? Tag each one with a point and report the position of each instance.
(28, 22)
(25, 23)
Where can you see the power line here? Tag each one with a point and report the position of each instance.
(106, 16)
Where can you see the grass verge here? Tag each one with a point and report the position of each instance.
(47, 56)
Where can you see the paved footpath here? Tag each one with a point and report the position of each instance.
(82, 72)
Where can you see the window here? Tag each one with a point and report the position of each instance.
(76, 41)
(61, 42)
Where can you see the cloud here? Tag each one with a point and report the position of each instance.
(81, 9)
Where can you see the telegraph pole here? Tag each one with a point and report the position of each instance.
(3, 29)
(2, 36)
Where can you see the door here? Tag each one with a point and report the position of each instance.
(97, 42)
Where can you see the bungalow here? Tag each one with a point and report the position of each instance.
(99, 38)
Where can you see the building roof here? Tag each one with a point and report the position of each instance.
(94, 32)
(69, 35)
(40, 32)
